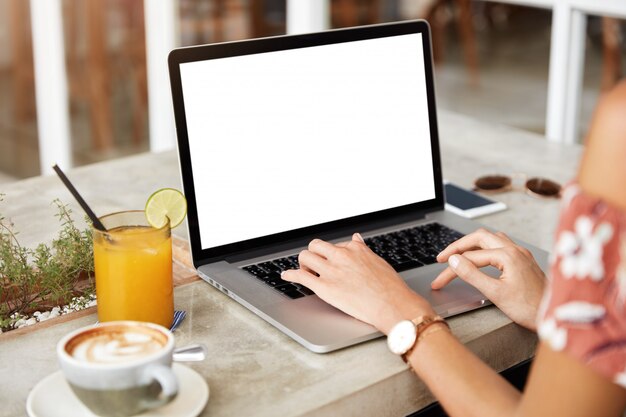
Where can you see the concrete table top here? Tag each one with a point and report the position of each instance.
(252, 368)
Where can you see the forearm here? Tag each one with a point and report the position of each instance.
(463, 384)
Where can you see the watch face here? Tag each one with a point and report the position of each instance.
(401, 337)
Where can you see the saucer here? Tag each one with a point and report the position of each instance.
(52, 397)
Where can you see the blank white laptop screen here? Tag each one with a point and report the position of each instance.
(289, 139)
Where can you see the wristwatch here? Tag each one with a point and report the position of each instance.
(404, 335)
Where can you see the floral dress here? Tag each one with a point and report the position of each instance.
(583, 312)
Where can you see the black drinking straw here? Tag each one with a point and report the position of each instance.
(95, 220)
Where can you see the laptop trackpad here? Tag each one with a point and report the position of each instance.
(456, 297)
(327, 329)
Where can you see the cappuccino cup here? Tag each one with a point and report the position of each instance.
(119, 368)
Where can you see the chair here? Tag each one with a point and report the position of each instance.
(22, 61)
(346, 13)
(222, 20)
(434, 12)
(92, 67)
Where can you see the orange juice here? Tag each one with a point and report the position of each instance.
(133, 266)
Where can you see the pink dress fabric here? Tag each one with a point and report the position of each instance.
(583, 312)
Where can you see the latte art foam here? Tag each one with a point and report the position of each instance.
(115, 346)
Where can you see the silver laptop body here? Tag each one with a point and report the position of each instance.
(285, 139)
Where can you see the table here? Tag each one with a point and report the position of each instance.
(252, 368)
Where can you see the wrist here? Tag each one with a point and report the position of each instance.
(409, 308)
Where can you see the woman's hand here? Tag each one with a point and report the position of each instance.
(357, 281)
(519, 290)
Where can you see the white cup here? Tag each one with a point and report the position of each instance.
(119, 368)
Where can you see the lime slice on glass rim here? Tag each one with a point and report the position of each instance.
(163, 204)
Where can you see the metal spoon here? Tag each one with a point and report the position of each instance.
(190, 353)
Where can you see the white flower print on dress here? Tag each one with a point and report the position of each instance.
(582, 250)
(620, 378)
(555, 336)
(579, 312)
(621, 273)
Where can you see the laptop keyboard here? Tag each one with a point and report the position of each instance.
(414, 247)
(269, 273)
(404, 249)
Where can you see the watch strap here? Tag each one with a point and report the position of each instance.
(421, 324)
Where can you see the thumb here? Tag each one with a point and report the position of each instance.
(468, 272)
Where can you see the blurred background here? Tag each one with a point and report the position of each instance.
(492, 63)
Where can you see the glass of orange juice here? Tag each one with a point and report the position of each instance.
(133, 266)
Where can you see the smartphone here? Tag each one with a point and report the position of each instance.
(467, 203)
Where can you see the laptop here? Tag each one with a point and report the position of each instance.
(290, 138)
